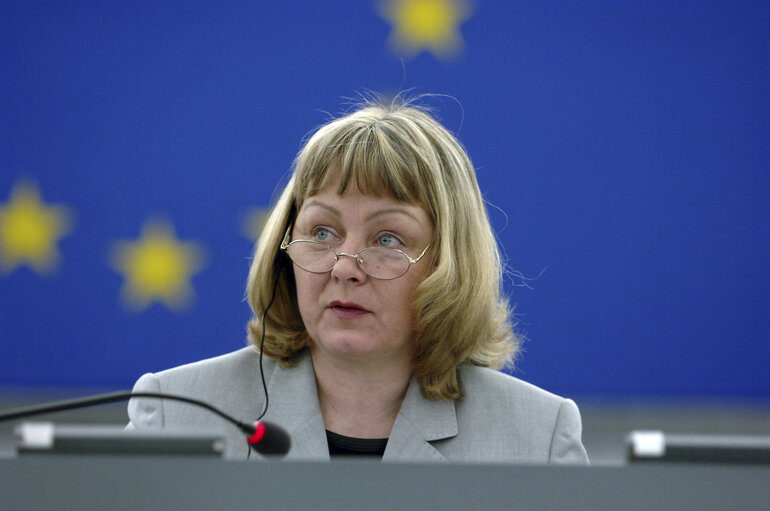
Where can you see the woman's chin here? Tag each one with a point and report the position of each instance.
(347, 346)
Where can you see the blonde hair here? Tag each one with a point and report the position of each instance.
(398, 150)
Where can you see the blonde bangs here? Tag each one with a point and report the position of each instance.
(366, 153)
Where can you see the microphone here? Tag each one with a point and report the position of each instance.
(266, 438)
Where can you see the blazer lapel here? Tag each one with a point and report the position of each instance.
(419, 422)
(294, 406)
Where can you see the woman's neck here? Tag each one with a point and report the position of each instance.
(360, 398)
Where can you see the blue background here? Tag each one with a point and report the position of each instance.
(624, 146)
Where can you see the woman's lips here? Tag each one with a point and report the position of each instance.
(346, 310)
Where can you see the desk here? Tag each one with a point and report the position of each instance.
(71, 482)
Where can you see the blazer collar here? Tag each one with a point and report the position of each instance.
(294, 406)
(419, 422)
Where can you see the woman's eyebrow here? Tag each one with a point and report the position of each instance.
(330, 209)
(389, 211)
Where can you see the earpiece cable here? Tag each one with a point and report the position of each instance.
(262, 343)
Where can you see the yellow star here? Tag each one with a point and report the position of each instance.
(157, 267)
(426, 24)
(30, 231)
(253, 221)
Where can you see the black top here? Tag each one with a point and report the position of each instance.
(340, 445)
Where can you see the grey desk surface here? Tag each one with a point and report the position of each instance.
(70, 482)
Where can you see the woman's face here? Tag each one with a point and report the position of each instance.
(346, 312)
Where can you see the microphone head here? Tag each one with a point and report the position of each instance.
(270, 439)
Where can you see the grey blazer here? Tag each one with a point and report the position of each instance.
(500, 418)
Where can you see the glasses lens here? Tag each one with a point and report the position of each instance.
(311, 256)
(383, 263)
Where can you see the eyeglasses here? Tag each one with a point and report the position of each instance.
(378, 262)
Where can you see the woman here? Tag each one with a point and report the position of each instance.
(388, 318)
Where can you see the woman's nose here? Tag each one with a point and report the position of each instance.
(347, 268)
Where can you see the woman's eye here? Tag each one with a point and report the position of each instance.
(388, 240)
(322, 234)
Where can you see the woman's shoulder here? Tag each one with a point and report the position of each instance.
(515, 420)
(243, 357)
(238, 365)
(484, 385)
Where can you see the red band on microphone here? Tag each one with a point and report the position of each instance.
(259, 434)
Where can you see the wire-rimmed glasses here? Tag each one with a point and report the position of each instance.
(381, 263)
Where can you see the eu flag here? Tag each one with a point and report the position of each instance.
(622, 148)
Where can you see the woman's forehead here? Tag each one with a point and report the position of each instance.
(367, 206)
(354, 205)
(331, 189)
(337, 181)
